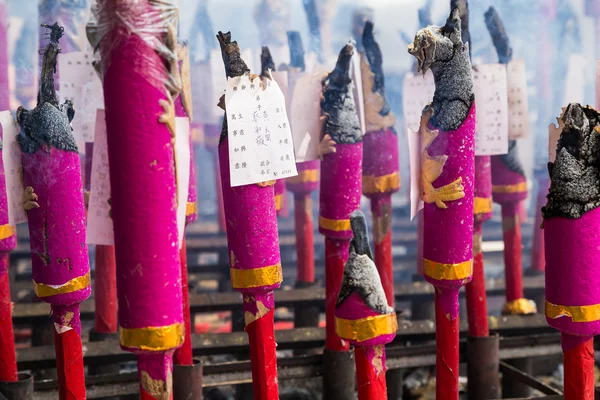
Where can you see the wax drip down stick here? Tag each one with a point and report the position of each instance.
(381, 175)
(362, 314)
(53, 200)
(252, 239)
(341, 152)
(571, 231)
(302, 187)
(8, 239)
(136, 43)
(448, 162)
(266, 66)
(509, 189)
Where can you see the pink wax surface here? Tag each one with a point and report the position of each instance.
(502, 176)
(341, 186)
(142, 178)
(354, 308)
(483, 183)
(8, 244)
(305, 187)
(252, 237)
(448, 233)
(573, 268)
(59, 252)
(380, 155)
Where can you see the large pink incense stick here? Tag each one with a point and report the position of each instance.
(381, 175)
(447, 176)
(253, 244)
(56, 217)
(572, 235)
(363, 316)
(136, 41)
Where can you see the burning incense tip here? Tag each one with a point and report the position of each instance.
(575, 175)
(266, 62)
(360, 241)
(234, 65)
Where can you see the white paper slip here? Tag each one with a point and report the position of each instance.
(13, 170)
(491, 100)
(414, 147)
(99, 228)
(305, 117)
(574, 83)
(357, 90)
(219, 79)
(417, 92)
(518, 105)
(80, 83)
(282, 79)
(259, 136)
(182, 163)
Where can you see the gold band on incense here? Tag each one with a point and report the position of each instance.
(75, 284)
(250, 278)
(441, 271)
(154, 338)
(366, 328)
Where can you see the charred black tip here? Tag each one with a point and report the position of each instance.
(497, 31)
(296, 50)
(56, 31)
(360, 241)
(266, 62)
(368, 32)
(234, 65)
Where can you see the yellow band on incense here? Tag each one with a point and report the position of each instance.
(366, 328)
(306, 176)
(482, 205)
(250, 278)
(520, 306)
(337, 225)
(441, 271)
(278, 202)
(75, 284)
(518, 188)
(191, 208)
(380, 184)
(266, 183)
(6, 231)
(153, 338)
(576, 313)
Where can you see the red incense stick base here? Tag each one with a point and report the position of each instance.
(69, 357)
(370, 374)
(336, 255)
(183, 355)
(476, 295)
(261, 336)
(8, 363)
(105, 286)
(304, 225)
(446, 340)
(381, 207)
(155, 373)
(579, 367)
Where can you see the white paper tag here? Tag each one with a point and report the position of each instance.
(219, 80)
(305, 116)
(99, 228)
(80, 83)
(11, 160)
(518, 106)
(260, 140)
(414, 148)
(182, 162)
(575, 80)
(491, 99)
(282, 79)
(357, 91)
(417, 92)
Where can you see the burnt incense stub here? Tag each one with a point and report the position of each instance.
(337, 105)
(49, 123)
(373, 54)
(575, 175)
(234, 66)
(266, 62)
(441, 50)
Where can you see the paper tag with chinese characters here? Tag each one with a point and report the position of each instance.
(417, 92)
(182, 163)
(491, 99)
(13, 170)
(99, 228)
(518, 106)
(259, 135)
(219, 79)
(305, 117)
(80, 83)
(414, 147)
(357, 91)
